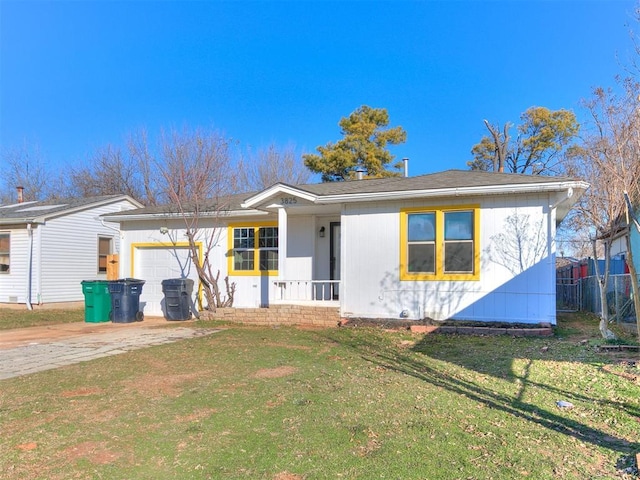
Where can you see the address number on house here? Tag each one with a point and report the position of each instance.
(288, 200)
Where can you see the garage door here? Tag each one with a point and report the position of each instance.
(154, 264)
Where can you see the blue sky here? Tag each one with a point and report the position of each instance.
(76, 76)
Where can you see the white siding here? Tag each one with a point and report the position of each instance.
(13, 285)
(370, 257)
(143, 244)
(300, 247)
(69, 252)
(155, 264)
(505, 292)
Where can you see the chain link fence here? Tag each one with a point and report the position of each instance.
(584, 294)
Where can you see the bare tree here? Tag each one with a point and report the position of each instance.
(608, 160)
(195, 167)
(541, 139)
(272, 165)
(109, 172)
(145, 160)
(500, 144)
(24, 167)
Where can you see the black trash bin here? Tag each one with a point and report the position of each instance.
(125, 300)
(177, 298)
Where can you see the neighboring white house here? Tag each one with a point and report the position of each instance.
(462, 245)
(48, 248)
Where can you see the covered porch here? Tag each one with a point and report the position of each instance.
(309, 250)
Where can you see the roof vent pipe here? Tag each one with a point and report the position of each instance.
(20, 192)
(406, 166)
(359, 173)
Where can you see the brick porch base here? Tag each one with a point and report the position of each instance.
(279, 315)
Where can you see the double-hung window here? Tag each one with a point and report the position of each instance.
(5, 252)
(253, 249)
(104, 249)
(439, 243)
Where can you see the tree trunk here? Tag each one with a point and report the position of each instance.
(603, 280)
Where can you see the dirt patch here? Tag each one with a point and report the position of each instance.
(196, 416)
(276, 402)
(277, 372)
(81, 392)
(286, 345)
(26, 447)
(287, 476)
(154, 386)
(50, 333)
(626, 369)
(94, 452)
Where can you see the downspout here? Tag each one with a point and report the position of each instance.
(109, 226)
(29, 267)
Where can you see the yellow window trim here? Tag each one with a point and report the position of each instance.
(439, 273)
(256, 271)
(150, 245)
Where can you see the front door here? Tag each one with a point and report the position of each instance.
(334, 255)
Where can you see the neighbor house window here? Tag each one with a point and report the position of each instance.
(439, 243)
(104, 249)
(253, 249)
(5, 243)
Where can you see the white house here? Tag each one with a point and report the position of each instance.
(462, 245)
(48, 248)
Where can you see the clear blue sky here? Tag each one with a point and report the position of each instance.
(76, 76)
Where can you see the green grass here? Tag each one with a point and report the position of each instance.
(351, 403)
(21, 318)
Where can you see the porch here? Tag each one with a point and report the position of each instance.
(306, 292)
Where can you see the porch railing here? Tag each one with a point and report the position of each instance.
(311, 291)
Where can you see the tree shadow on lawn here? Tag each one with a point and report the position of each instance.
(408, 363)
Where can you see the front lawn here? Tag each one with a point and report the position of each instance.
(21, 318)
(350, 403)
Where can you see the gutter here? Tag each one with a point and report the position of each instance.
(455, 192)
(182, 216)
(29, 267)
(422, 193)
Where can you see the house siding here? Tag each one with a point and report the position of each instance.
(13, 285)
(146, 234)
(371, 267)
(515, 283)
(250, 290)
(68, 253)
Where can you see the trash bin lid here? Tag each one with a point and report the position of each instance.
(128, 281)
(172, 282)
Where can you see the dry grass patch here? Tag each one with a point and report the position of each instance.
(276, 372)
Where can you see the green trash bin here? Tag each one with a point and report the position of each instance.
(97, 301)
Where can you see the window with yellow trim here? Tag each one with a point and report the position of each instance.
(439, 244)
(254, 249)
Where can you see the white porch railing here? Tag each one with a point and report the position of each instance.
(306, 291)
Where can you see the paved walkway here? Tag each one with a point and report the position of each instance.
(31, 350)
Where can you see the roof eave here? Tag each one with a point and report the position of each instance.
(455, 192)
(281, 189)
(179, 216)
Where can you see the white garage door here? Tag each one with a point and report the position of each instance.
(155, 264)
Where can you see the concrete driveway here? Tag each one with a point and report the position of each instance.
(29, 350)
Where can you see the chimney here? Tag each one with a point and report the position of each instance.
(20, 196)
(406, 166)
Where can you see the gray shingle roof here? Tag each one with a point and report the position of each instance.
(446, 179)
(34, 211)
(230, 202)
(442, 180)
